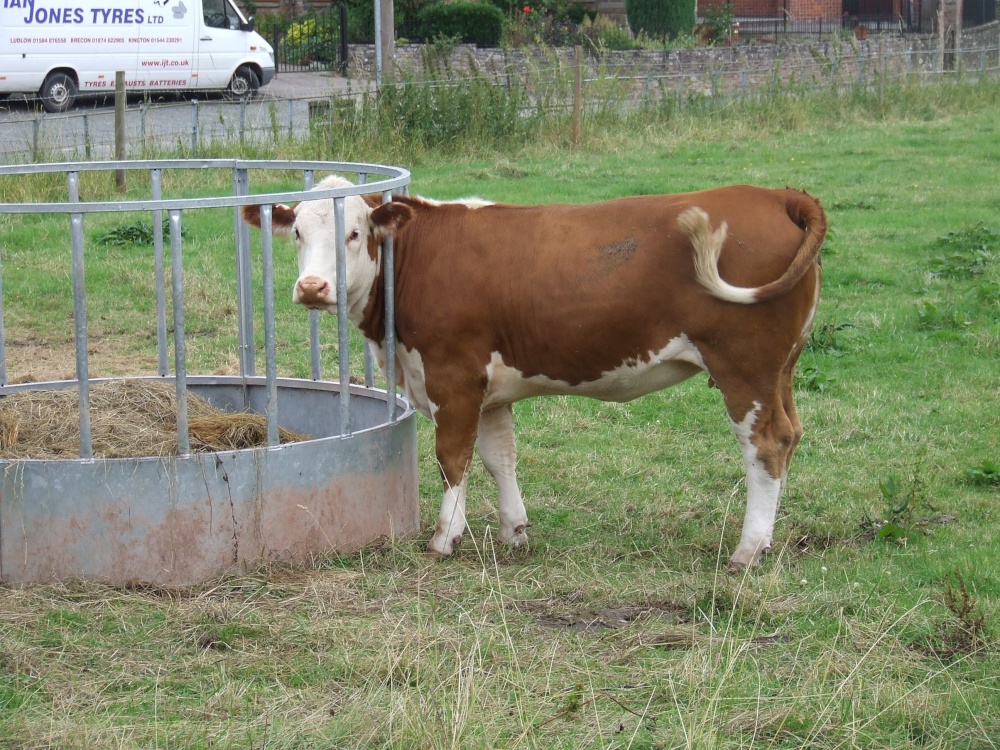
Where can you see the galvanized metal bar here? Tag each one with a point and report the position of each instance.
(180, 349)
(315, 363)
(156, 181)
(389, 282)
(369, 366)
(369, 357)
(244, 278)
(343, 333)
(80, 317)
(309, 179)
(396, 178)
(3, 335)
(270, 339)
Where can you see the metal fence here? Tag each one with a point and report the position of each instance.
(188, 128)
(316, 41)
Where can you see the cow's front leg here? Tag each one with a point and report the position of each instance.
(451, 521)
(499, 454)
(456, 422)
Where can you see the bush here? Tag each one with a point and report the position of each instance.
(605, 34)
(471, 23)
(660, 18)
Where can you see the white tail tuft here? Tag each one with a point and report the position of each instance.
(707, 249)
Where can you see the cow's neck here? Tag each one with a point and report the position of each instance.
(372, 324)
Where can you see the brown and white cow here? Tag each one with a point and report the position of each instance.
(497, 303)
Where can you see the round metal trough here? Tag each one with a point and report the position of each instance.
(191, 517)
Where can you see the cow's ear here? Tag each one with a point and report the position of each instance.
(282, 217)
(389, 218)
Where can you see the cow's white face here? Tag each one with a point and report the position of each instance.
(311, 224)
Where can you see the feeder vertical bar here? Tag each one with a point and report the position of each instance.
(369, 366)
(389, 277)
(244, 277)
(80, 317)
(180, 350)
(369, 358)
(156, 180)
(270, 347)
(3, 336)
(314, 358)
(309, 178)
(343, 334)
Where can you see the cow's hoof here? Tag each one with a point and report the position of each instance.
(743, 559)
(517, 537)
(735, 567)
(439, 551)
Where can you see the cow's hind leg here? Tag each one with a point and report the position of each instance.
(768, 431)
(499, 454)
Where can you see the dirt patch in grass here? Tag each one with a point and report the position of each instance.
(605, 618)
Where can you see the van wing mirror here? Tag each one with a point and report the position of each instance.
(248, 26)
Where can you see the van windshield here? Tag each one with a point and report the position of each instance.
(222, 14)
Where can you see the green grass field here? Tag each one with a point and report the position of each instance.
(872, 625)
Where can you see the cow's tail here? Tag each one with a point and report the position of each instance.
(802, 209)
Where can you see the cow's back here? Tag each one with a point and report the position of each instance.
(570, 291)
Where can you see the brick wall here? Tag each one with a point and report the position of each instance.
(811, 10)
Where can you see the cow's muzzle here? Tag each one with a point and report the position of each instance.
(312, 291)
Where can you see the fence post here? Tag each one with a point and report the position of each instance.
(36, 127)
(194, 126)
(577, 94)
(291, 109)
(342, 7)
(86, 136)
(243, 118)
(881, 75)
(120, 128)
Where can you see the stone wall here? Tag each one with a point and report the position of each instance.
(705, 69)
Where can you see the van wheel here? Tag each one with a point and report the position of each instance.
(58, 92)
(244, 83)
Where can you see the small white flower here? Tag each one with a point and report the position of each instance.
(804, 581)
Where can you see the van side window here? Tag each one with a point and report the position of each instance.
(219, 15)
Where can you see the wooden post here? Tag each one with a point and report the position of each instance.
(387, 39)
(577, 94)
(120, 128)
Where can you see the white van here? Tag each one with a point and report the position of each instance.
(61, 48)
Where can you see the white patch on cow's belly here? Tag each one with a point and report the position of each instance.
(677, 361)
(410, 365)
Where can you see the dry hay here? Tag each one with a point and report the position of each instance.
(129, 419)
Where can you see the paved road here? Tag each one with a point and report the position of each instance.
(87, 130)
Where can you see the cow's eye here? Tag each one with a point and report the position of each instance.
(354, 235)
(297, 236)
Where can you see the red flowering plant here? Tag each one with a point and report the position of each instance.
(542, 22)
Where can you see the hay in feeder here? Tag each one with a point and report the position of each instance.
(128, 419)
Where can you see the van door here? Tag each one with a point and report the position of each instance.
(222, 44)
(167, 45)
